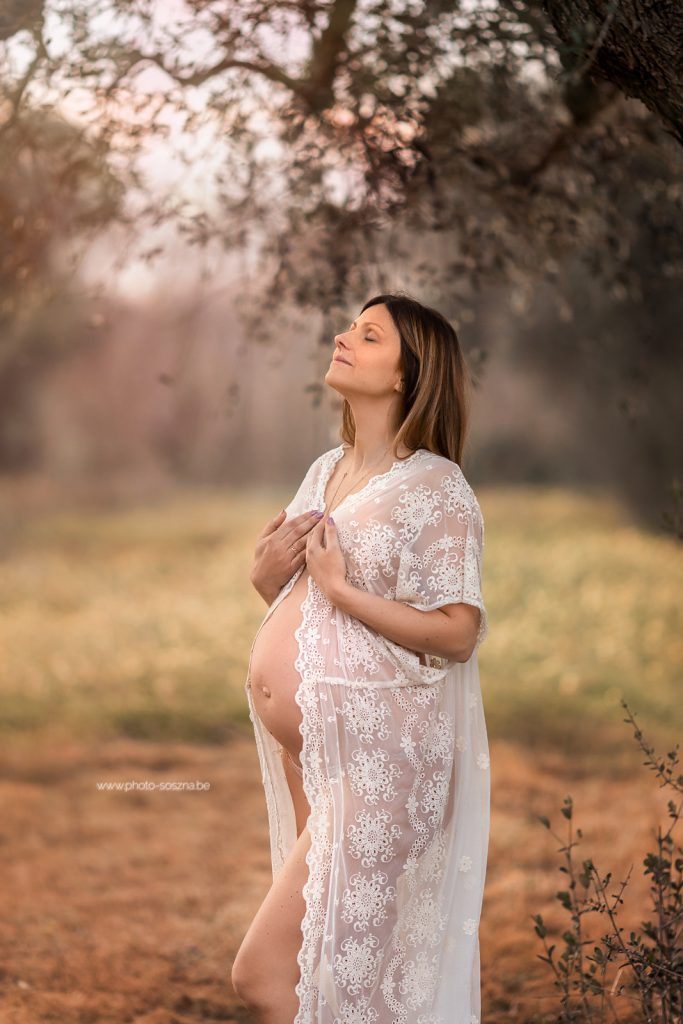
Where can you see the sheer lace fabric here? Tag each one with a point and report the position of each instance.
(395, 762)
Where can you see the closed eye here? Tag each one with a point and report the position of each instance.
(367, 336)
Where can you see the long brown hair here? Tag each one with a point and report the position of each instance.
(436, 381)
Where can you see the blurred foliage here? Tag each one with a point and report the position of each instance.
(465, 144)
(342, 117)
(55, 190)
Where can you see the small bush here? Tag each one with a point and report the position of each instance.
(644, 970)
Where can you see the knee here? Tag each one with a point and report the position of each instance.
(247, 983)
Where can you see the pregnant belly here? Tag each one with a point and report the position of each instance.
(274, 679)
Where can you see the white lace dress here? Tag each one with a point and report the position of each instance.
(395, 762)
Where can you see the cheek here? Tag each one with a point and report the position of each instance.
(375, 369)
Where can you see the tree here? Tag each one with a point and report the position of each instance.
(636, 47)
(54, 190)
(347, 138)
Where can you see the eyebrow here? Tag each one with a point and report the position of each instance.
(369, 323)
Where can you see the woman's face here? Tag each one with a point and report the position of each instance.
(366, 357)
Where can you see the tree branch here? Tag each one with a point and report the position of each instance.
(316, 88)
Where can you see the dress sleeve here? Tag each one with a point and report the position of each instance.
(305, 494)
(442, 559)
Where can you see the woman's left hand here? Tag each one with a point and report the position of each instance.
(326, 564)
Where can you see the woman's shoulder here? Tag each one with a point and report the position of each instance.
(321, 462)
(439, 472)
(327, 456)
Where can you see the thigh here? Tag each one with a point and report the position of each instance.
(269, 948)
(302, 807)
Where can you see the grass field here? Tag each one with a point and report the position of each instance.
(137, 621)
(124, 639)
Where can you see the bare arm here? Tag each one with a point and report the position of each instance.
(449, 631)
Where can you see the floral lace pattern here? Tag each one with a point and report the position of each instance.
(395, 762)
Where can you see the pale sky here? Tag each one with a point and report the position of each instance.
(165, 173)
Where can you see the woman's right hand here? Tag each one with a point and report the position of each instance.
(280, 551)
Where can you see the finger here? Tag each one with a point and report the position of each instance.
(272, 524)
(301, 525)
(322, 535)
(297, 546)
(304, 518)
(314, 538)
(331, 530)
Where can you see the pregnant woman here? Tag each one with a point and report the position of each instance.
(363, 689)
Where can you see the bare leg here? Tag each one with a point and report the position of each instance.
(302, 807)
(265, 970)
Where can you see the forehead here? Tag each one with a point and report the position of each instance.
(379, 315)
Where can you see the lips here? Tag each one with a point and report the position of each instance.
(338, 359)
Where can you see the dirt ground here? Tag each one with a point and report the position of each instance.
(128, 907)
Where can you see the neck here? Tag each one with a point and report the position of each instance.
(375, 432)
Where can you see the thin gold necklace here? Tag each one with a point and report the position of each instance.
(329, 508)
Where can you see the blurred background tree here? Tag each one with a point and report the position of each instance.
(55, 190)
(483, 155)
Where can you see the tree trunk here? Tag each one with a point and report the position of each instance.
(635, 44)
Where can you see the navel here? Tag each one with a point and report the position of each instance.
(265, 691)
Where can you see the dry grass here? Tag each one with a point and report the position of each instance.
(137, 621)
(125, 635)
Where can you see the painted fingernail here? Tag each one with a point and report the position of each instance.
(318, 515)
(330, 520)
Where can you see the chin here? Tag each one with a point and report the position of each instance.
(330, 373)
(334, 386)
